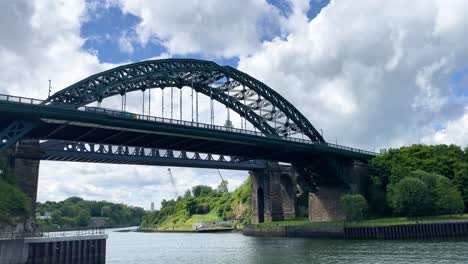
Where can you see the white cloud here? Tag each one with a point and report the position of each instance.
(370, 73)
(126, 43)
(455, 132)
(211, 27)
(41, 42)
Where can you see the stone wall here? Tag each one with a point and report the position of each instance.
(324, 205)
(277, 186)
(26, 168)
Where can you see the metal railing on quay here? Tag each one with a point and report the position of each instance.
(43, 233)
(123, 114)
(19, 234)
(81, 232)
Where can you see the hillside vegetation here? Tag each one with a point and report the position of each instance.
(75, 212)
(419, 180)
(15, 205)
(202, 203)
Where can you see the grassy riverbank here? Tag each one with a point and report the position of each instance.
(168, 224)
(201, 204)
(371, 222)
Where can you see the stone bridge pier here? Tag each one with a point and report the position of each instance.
(275, 189)
(273, 193)
(349, 176)
(23, 158)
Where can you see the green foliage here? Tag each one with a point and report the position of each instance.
(354, 206)
(448, 199)
(377, 197)
(441, 197)
(201, 201)
(84, 218)
(201, 190)
(410, 197)
(15, 205)
(461, 178)
(76, 212)
(426, 163)
(396, 164)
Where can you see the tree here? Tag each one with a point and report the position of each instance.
(354, 206)
(106, 211)
(201, 190)
(73, 200)
(461, 179)
(84, 218)
(377, 197)
(448, 199)
(56, 217)
(187, 193)
(410, 197)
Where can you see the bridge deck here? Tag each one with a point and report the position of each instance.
(60, 123)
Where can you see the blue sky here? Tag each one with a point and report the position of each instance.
(107, 24)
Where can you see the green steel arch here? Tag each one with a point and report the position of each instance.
(264, 108)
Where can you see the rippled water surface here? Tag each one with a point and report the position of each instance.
(167, 248)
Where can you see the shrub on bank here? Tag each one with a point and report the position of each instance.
(354, 206)
(424, 193)
(410, 197)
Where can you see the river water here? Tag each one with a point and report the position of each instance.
(168, 248)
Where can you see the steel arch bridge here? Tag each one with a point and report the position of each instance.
(64, 119)
(264, 108)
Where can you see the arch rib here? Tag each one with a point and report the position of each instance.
(199, 75)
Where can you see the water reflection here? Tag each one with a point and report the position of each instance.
(132, 247)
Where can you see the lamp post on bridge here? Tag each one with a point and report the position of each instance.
(50, 87)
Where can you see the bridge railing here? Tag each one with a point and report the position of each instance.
(165, 120)
(18, 99)
(99, 110)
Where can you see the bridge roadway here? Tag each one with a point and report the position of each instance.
(92, 125)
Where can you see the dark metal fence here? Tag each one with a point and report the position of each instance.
(51, 233)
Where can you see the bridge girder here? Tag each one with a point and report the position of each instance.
(56, 150)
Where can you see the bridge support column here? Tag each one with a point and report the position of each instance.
(24, 158)
(273, 194)
(324, 204)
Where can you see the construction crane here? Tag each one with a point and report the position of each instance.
(223, 185)
(169, 172)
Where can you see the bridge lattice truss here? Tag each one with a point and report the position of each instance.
(261, 106)
(105, 153)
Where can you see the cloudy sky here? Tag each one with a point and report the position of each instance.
(371, 74)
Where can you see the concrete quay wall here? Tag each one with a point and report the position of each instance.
(54, 250)
(448, 230)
